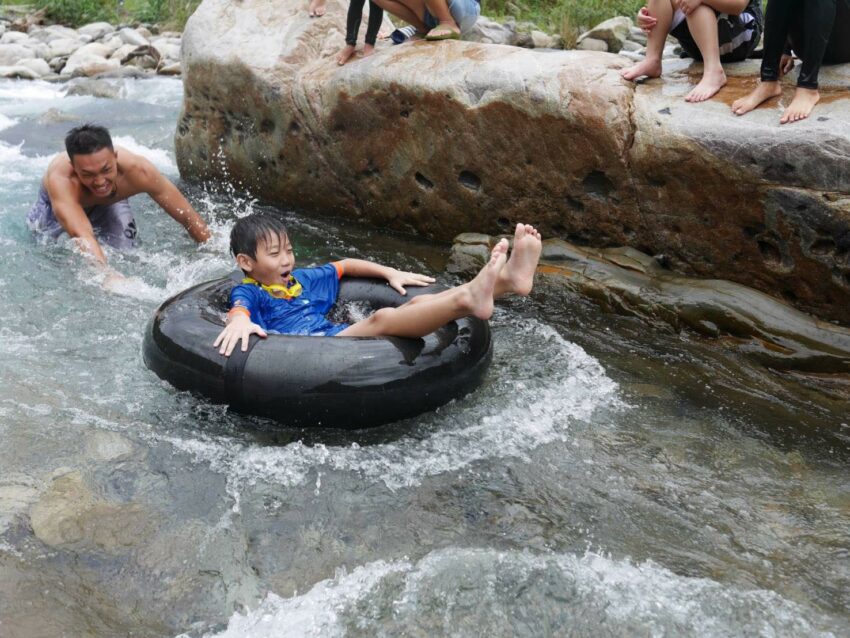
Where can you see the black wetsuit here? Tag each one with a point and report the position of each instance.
(817, 30)
(352, 24)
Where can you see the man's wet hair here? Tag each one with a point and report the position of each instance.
(248, 231)
(87, 139)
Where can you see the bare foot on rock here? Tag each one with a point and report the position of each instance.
(368, 49)
(712, 81)
(801, 106)
(649, 67)
(317, 8)
(518, 274)
(762, 93)
(345, 55)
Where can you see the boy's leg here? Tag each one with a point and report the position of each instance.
(818, 19)
(420, 319)
(702, 23)
(662, 11)
(777, 22)
(517, 275)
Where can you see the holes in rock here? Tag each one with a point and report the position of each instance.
(405, 113)
(752, 231)
(574, 203)
(262, 165)
(414, 203)
(822, 246)
(294, 128)
(657, 182)
(267, 126)
(423, 181)
(788, 168)
(504, 223)
(770, 252)
(597, 183)
(469, 180)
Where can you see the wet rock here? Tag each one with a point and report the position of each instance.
(88, 64)
(170, 69)
(626, 281)
(55, 116)
(628, 45)
(624, 164)
(37, 65)
(19, 72)
(95, 88)
(17, 493)
(613, 32)
(109, 446)
(491, 32)
(542, 40)
(69, 514)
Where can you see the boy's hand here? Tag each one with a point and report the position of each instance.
(645, 21)
(398, 280)
(786, 64)
(687, 6)
(239, 326)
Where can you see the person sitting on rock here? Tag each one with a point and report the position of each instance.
(275, 296)
(436, 19)
(352, 27)
(85, 190)
(818, 31)
(714, 31)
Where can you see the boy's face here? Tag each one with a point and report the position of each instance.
(274, 263)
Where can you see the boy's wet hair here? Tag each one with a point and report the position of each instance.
(248, 231)
(87, 139)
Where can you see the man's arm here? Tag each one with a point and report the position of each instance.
(171, 200)
(73, 218)
(396, 278)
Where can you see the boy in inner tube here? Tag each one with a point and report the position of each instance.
(276, 297)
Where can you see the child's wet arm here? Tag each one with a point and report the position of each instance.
(363, 268)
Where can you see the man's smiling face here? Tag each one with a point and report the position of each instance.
(98, 171)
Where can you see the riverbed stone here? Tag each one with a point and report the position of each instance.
(554, 138)
(63, 47)
(11, 53)
(18, 71)
(14, 37)
(592, 44)
(170, 69)
(96, 30)
(38, 65)
(70, 514)
(131, 36)
(614, 32)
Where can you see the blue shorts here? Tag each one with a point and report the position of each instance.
(113, 224)
(465, 13)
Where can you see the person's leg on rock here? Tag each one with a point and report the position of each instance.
(655, 20)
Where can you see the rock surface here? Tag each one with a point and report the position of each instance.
(443, 138)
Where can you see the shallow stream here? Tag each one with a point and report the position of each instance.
(609, 477)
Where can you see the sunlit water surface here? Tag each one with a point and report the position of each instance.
(609, 477)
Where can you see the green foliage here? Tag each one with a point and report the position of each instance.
(567, 17)
(169, 14)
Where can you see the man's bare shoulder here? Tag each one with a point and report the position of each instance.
(136, 169)
(60, 178)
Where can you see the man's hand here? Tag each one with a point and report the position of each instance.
(239, 326)
(399, 279)
(687, 6)
(645, 21)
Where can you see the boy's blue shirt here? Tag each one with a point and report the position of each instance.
(302, 315)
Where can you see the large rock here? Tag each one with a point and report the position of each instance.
(613, 32)
(441, 138)
(63, 46)
(96, 30)
(10, 54)
(88, 64)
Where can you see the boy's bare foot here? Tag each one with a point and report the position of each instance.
(712, 81)
(763, 92)
(480, 289)
(345, 55)
(368, 49)
(650, 67)
(801, 106)
(518, 274)
(317, 8)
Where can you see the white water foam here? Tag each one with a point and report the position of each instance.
(6, 122)
(536, 408)
(26, 91)
(16, 167)
(160, 158)
(473, 592)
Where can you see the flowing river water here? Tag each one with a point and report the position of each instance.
(610, 477)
